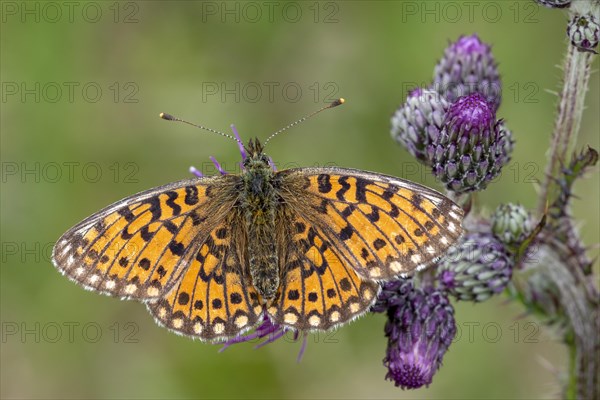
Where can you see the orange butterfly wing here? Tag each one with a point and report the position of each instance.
(386, 227)
(215, 299)
(138, 247)
(319, 289)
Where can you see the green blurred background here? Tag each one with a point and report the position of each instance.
(66, 154)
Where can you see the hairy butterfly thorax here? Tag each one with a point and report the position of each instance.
(259, 206)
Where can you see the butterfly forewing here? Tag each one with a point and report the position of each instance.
(388, 227)
(138, 247)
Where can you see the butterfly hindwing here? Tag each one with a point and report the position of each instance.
(215, 299)
(138, 247)
(319, 287)
(387, 226)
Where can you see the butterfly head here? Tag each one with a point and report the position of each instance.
(256, 158)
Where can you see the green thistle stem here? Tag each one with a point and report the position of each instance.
(578, 298)
(568, 120)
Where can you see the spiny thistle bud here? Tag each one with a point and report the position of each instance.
(468, 66)
(583, 31)
(555, 3)
(472, 148)
(476, 268)
(418, 119)
(511, 223)
(420, 328)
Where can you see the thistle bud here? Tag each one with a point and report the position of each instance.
(476, 268)
(472, 148)
(418, 119)
(468, 66)
(420, 328)
(583, 31)
(511, 224)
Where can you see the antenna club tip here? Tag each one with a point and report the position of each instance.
(338, 102)
(166, 116)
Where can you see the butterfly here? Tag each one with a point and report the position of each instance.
(306, 247)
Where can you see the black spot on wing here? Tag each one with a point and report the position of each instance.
(373, 216)
(196, 219)
(125, 235)
(126, 213)
(176, 248)
(345, 284)
(341, 194)
(191, 195)
(154, 207)
(183, 298)
(324, 183)
(361, 190)
(346, 232)
(144, 264)
(322, 207)
(379, 243)
(235, 298)
(171, 227)
(146, 234)
(171, 202)
(389, 192)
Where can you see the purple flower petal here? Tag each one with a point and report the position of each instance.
(195, 172)
(217, 165)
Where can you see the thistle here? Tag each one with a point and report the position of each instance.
(472, 148)
(418, 120)
(583, 32)
(511, 224)
(420, 328)
(467, 67)
(476, 268)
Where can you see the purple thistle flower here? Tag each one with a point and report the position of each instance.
(468, 66)
(476, 268)
(472, 148)
(420, 328)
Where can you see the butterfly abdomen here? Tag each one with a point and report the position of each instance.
(259, 205)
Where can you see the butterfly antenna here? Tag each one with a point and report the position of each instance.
(169, 117)
(335, 103)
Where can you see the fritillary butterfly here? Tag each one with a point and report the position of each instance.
(307, 247)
